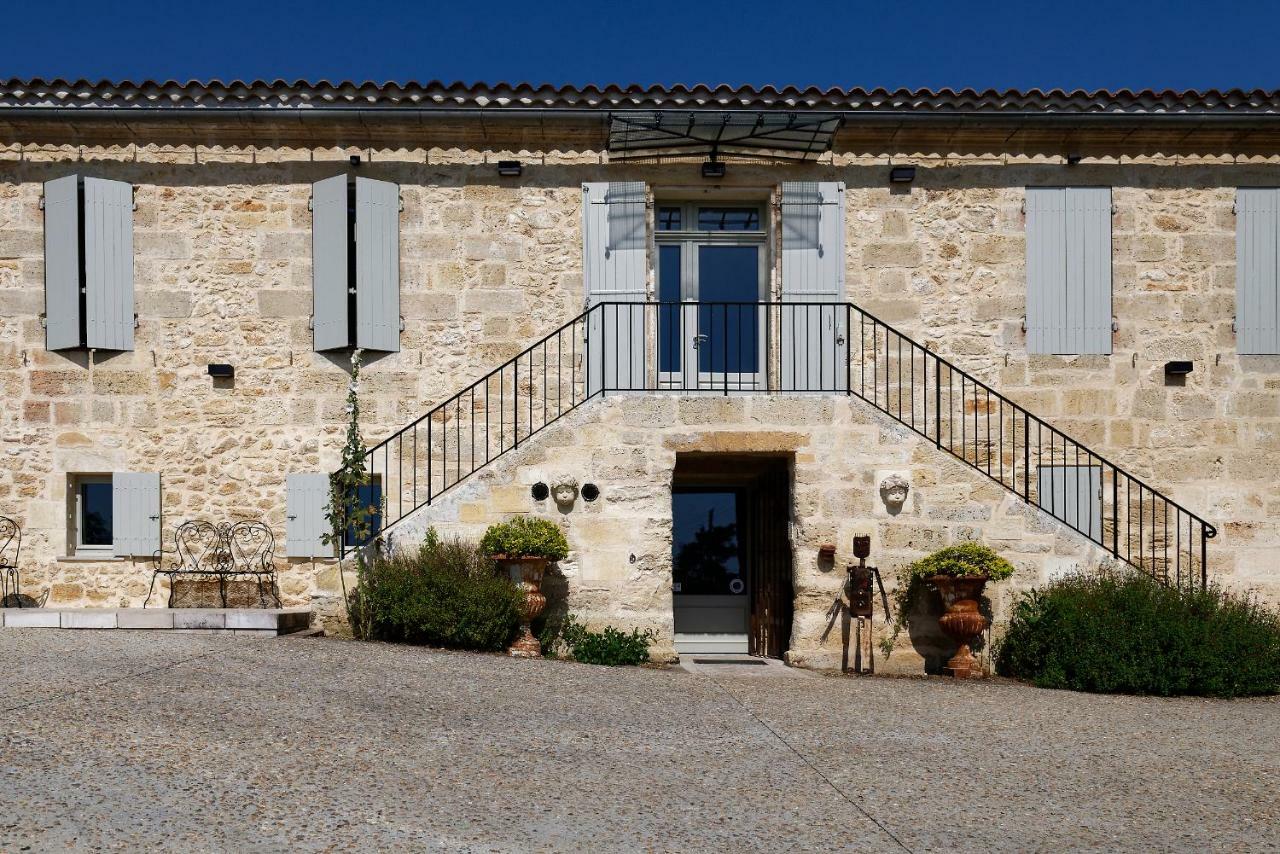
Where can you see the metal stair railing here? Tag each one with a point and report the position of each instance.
(792, 348)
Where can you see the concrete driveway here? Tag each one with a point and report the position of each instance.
(117, 740)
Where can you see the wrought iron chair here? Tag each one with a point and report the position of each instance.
(224, 552)
(10, 551)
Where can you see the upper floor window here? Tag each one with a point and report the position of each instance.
(1069, 270)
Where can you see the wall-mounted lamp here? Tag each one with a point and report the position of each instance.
(510, 168)
(1178, 369)
(355, 159)
(1074, 159)
(902, 174)
(222, 372)
(713, 169)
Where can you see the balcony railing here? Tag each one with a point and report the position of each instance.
(731, 348)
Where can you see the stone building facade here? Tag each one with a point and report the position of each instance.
(490, 263)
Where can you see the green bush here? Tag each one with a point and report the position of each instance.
(963, 559)
(611, 646)
(526, 536)
(1128, 634)
(445, 594)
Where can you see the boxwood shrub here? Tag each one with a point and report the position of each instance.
(1127, 633)
(609, 646)
(445, 594)
(526, 536)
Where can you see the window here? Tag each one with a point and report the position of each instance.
(1073, 494)
(355, 249)
(116, 514)
(728, 219)
(669, 219)
(1257, 271)
(88, 264)
(370, 495)
(711, 277)
(91, 518)
(1069, 270)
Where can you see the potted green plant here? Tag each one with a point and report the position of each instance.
(959, 573)
(523, 547)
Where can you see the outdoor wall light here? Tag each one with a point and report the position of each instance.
(1074, 159)
(713, 169)
(222, 372)
(355, 159)
(1178, 369)
(902, 174)
(510, 168)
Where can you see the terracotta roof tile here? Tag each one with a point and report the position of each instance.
(300, 94)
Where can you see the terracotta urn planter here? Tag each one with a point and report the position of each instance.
(963, 620)
(527, 574)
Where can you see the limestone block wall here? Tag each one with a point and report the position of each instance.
(222, 239)
(945, 263)
(619, 571)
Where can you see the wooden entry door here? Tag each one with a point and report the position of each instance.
(772, 598)
(731, 554)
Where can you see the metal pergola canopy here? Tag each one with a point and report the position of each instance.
(710, 133)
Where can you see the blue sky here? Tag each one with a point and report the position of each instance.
(1070, 44)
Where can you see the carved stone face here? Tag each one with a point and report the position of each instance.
(564, 490)
(893, 491)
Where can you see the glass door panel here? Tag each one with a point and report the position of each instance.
(730, 336)
(670, 296)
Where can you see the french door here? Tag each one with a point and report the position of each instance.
(712, 280)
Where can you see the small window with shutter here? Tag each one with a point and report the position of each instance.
(355, 237)
(1258, 271)
(306, 526)
(1069, 270)
(88, 250)
(1073, 494)
(114, 515)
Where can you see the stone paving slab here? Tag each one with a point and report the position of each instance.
(230, 620)
(126, 740)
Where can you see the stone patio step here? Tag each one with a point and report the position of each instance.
(261, 622)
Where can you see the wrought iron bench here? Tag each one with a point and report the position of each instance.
(223, 553)
(10, 551)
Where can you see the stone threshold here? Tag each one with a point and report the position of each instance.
(259, 622)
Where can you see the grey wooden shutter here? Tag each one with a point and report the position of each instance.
(329, 279)
(377, 265)
(62, 263)
(1069, 270)
(813, 348)
(306, 526)
(1073, 495)
(108, 264)
(1257, 271)
(135, 513)
(615, 270)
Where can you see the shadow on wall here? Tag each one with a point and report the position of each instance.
(549, 623)
(927, 637)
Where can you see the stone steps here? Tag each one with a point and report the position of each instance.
(258, 622)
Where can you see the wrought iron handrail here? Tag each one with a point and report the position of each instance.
(790, 347)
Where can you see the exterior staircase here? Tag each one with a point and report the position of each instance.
(790, 348)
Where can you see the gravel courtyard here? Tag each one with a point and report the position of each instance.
(119, 741)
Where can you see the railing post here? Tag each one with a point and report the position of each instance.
(848, 351)
(937, 400)
(1115, 511)
(1204, 558)
(1026, 456)
(515, 402)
